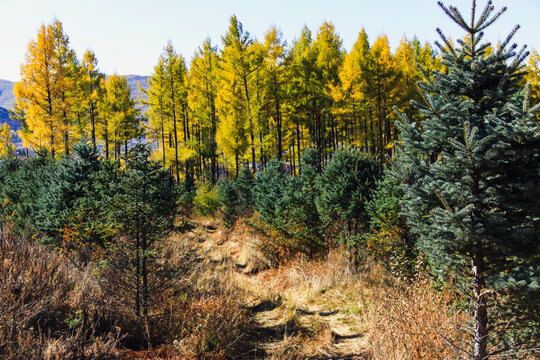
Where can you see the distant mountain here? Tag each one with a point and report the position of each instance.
(7, 98)
(15, 125)
(134, 81)
(4, 117)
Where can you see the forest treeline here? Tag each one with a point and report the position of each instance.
(244, 103)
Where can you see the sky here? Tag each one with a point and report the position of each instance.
(129, 35)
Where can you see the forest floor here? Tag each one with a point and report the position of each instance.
(304, 310)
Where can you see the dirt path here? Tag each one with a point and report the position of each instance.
(299, 312)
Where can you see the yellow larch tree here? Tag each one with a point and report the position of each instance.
(239, 63)
(157, 113)
(202, 102)
(275, 55)
(7, 148)
(43, 93)
(533, 78)
(91, 85)
(119, 116)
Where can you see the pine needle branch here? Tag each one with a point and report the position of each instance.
(439, 31)
(509, 38)
(473, 12)
(487, 10)
(493, 19)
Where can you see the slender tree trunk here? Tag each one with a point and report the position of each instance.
(373, 147)
(52, 137)
(175, 131)
(51, 121)
(185, 123)
(480, 309)
(213, 146)
(379, 115)
(106, 138)
(237, 164)
(278, 119)
(366, 133)
(293, 160)
(251, 134)
(138, 277)
(115, 145)
(66, 127)
(162, 130)
(298, 147)
(93, 121)
(145, 291)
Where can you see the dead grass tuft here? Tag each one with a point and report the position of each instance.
(413, 321)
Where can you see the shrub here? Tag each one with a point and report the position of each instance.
(270, 194)
(237, 197)
(390, 240)
(206, 200)
(287, 206)
(229, 198)
(345, 186)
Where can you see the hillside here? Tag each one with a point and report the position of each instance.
(134, 81)
(7, 98)
(4, 117)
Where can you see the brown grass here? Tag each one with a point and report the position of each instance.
(413, 321)
(391, 319)
(49, 308)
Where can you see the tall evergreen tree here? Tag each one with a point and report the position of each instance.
(471, 179)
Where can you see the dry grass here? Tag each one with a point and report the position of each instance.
(413, 321)
(213, 310)
(381, 316)
(48, 308)
(213, 318)
(52, 309)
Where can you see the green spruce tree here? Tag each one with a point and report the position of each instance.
(471, 178)
(144, 208)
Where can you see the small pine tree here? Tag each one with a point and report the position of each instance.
(229, 198)
(237, 196)
(144, 207)
(471, 178)
(67, 181)
(269, 194)
(345, 186)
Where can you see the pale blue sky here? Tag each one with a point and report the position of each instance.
(128, 35)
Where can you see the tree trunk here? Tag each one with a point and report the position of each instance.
(480, 310)
(298, 148)
(162, 131)
(144, 279)
(93, 120)
(237, 164)
(252, 135)
(173, 104)
(138, 278)
(106, 137)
